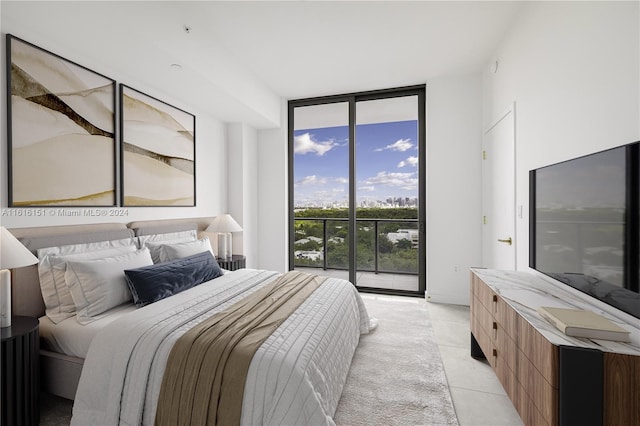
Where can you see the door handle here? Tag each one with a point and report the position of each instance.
(508, 241)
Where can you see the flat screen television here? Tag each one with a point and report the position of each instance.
(585, 225)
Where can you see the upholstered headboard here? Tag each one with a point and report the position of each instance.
(26, 297)
(147, 227)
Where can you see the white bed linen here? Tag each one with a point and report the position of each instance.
(69, 337)
(296, 376)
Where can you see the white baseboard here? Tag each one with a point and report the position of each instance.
(449, 299)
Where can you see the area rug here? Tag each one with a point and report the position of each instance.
(397, 376)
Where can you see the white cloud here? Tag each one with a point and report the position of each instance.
(411, 161)
(370, 188)
(304, 144)
(399, 145)
(406, 181)
(326, 196)
(311, 180)
(342, 180)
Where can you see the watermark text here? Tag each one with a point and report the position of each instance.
(65, 212)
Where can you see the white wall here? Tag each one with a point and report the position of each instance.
(273, 197)
(242, 196)
(454, 202)
(573, 70)
(211, 151)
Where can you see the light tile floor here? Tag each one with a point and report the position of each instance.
(478, 396)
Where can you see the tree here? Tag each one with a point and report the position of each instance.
(308, 246)
(403, 244)
(384, 244)
(399, 257)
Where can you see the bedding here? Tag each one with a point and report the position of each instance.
(98, 285)
(60, 373)
(154, 242)
(51, 268)
(174, 251)
(155, 282)
(205, 374)
(295, 377)
(69, 337)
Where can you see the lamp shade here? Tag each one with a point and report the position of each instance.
(12, 253)
(224, 223)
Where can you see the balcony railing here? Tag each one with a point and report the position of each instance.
(384, 245)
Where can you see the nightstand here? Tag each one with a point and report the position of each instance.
(237, 261)
(20, 360)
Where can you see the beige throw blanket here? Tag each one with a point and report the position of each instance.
(207, 367)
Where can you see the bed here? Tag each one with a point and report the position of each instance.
(112, 360)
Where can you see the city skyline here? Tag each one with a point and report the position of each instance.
(396, 202)
(386, 164)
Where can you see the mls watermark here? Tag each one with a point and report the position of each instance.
(65, 212)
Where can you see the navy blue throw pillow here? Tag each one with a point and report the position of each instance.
(151, 283)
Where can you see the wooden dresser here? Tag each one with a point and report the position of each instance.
(552, 379)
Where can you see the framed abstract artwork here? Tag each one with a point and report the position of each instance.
(60, 130)
(157, 152)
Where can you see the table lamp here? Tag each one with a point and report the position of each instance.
(12, 255)
(224, 225)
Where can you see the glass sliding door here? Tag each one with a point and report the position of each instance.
(321, 188)
(387, 195)
(356, 179)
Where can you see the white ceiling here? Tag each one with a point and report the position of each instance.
(239, 59)
(303, 49)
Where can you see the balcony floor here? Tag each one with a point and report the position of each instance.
(369, 279)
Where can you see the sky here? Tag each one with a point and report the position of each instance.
(386, 163)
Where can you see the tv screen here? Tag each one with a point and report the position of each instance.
(585, 221)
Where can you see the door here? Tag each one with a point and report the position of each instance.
(320, 170)
(356, 175)
(498, 193)
(387, 194)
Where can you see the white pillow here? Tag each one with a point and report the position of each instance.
(55, 293)
(169, 252)
(99, 285)
(154, 241)
(59, 267)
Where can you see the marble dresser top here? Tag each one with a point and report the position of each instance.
(525, 292)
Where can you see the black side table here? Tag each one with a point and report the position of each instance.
(20, 372)
(237, 261)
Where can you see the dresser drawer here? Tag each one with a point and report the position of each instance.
(485, 295)
(505, 374)
(539, 351)
(621, 377)
(541, 392)
(528, 411)
(538, 404)
(485, 319)
(483, 339)
(507, 318)
(506, 347)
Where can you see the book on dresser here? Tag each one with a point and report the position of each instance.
(583, 323)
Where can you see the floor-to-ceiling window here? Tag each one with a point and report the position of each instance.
(356, 188)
